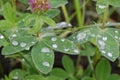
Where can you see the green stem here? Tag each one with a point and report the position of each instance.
(83, 17)
(91, 66)
(79, 13)
(65, 14)
(105, 17)
(78, 61)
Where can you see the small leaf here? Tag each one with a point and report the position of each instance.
(89, 50)
(68, 64)
(9, 13)
(61, 44)
(5, 25)
(101, 6)
(17, 74)
(48, 20)
(51, 13)
(38, 25)
(18, 45)
(103, 70)
(60, 73)
(34, 77)
(84, 35)
(43, 57)
(57, 3)
(108, 45)
(114, 77)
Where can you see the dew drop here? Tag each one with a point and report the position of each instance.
(116, 31)
(66, 49)
(101, 43)
(62, 40)
(23, 44)
(15, 77)
(1, 36)
(46, 64)
(54, 46)
(76, 51)
(116, 37)
(103, 52)
(93, 35)
(102, 6)
(104, 38)
(15, 43)
(27, 48)
(14, 35)
(81, 36)
(45, 50)
(33, 42)
(110, 54)
(53, 38)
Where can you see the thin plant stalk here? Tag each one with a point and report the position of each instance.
(65, 14)
(79, 13)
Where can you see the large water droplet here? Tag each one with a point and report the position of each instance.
(53, 38)
(102, 6)
(110, 54)
(1, 36)
(46, 64)
(15, 43)
(23, 44)
(54, 45)
(45, 50)
(81, 36)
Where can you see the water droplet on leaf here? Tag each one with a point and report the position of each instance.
(104, 38)
(53, 38)
(102, 6)
(66, 49)
(14, 35)
(45, 50)
(110, 54)
(116, 31)
(116, 37)
(76, 51)
(54, 46)
(62, 40)
(81, 36)
(101, 44)
(46, 64)
(1, 36)
(15, 43)
(23, 44)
